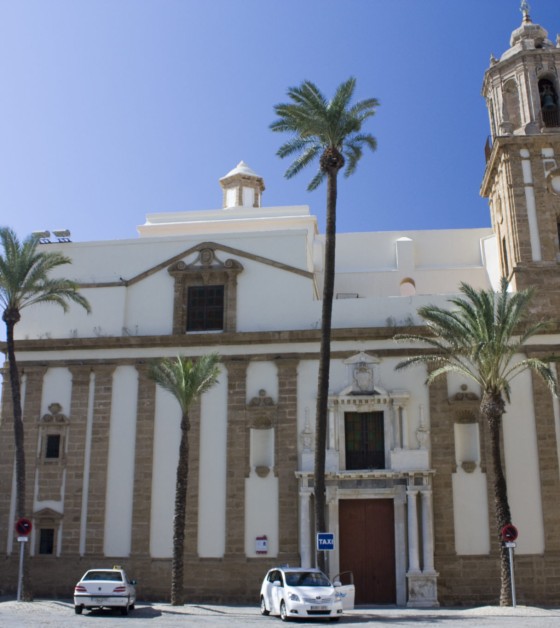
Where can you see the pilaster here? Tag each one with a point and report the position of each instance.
(75, 461)
(237, 458)
(286, 458)
(143, 463)
(95, 528)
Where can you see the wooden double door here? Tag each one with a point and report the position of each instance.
(367, 548)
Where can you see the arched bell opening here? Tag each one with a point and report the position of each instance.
(549, 103)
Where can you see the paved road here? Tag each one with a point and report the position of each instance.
(60, 614)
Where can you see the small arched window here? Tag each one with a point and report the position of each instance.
(407, 287)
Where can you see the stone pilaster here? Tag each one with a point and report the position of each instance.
(237, 456)
(99, 455)
(193, 490)
(443, 461)
(143, 464)
(75, 459)
(547, 445)
(286, 461)
(413, 546)
(31, 413)
(6, 460)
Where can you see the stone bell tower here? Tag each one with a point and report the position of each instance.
(522, 177)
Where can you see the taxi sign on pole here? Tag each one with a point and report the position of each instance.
(325, 541)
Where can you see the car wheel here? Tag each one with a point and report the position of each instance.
(124, 610)
(263, 607)
(78, 610)
(283, 611)
(334, 618)
(131, 607)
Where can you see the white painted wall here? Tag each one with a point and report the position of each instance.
(57, 388)
(212, 473)
(470, 512)
(269, 298)
(120, 463)
(167, 436)
(261, 513)
(262, 376)
(522, 467)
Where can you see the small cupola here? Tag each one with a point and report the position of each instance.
(242, 187)
(529, 36)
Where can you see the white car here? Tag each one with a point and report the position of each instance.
(293, 592)
(109, 588)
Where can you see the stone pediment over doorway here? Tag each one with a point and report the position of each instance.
(362, 377)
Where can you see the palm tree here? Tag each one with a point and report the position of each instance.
(331, 131)
(480, 340)
(25, 281)
(186, 380)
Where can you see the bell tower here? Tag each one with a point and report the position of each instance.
(522, 176)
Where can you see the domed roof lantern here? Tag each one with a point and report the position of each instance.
(242, 187)
(529, 35)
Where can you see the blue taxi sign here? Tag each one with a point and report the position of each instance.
(325, 541)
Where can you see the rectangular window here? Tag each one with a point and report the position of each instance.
(365, 440)
(52, 447)
(46, 541)
(205, 308)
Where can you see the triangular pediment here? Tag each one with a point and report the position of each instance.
(216, 248)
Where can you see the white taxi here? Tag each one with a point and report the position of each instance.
(293, 592)
(109, 588)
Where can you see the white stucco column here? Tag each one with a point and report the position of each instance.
(400, 545)
(427, 531)
(405, 442)
(331, 428)
(413, 560)
(305, 527)
(531, 205)
(397, 431)
(333, 561)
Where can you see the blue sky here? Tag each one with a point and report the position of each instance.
(112, 109)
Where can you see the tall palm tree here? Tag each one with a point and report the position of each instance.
(332, 132)
(186, 380)
(25, 280)
(482, 339)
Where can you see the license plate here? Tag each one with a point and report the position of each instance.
(99, 600)
(319, 608)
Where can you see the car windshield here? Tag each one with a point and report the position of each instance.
(306, 579)
(113, 576)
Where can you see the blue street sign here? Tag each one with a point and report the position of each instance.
(325, 541)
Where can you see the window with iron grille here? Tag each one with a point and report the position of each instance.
(205, 308)
(52, 446)
(365, 440)
(46, 541)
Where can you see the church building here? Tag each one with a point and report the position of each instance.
(409, 479)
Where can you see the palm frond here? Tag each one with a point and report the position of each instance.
(317, 124)
(479, 338)
(184, 378)
(25, 275)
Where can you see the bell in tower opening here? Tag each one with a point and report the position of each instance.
(549, 103)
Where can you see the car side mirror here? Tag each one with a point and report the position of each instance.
(337, 583)
(133, 582)
(277, 583)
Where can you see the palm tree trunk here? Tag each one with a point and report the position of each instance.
(492, 408)
(324, 361)
(11, 318)
(18, 419)
(179, 519)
